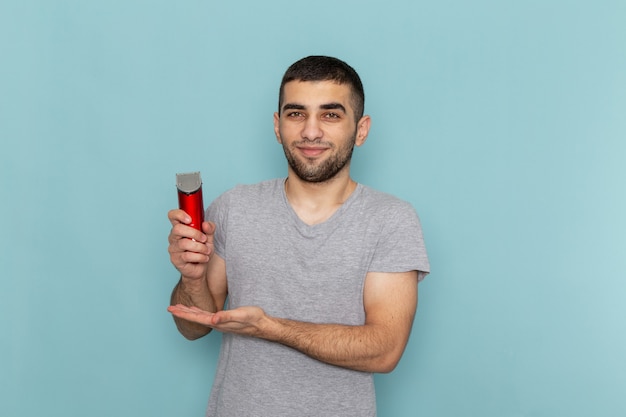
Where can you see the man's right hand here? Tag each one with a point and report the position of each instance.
(189, 248)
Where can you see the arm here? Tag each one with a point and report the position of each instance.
(390, 301)
(203, 274)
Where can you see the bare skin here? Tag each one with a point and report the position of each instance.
(317, 129)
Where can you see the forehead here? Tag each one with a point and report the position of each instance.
(316, 93)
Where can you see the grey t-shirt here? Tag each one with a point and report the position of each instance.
(309, 273)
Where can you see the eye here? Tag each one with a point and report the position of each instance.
(332, 116)
(295, 114)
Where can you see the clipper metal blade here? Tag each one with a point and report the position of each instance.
(189, 187)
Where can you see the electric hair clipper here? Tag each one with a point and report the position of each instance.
(190, 197)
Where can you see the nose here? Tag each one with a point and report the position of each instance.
(312, 129)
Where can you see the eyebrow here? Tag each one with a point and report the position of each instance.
(328, 106)
(293, 106)
(333, 106)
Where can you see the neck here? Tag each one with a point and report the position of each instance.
(316, 202)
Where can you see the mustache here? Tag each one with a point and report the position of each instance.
(313, 142)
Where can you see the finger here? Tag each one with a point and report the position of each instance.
(208, 227)
(192, 258)
(180, 308)
(190, 242)
(180, 231)
(188, 309)
(190, 264)
(230, 316)
(193, 314)
(178, 216)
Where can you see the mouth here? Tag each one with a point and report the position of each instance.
(311, 152)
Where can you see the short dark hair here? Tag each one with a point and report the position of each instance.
(325, 68)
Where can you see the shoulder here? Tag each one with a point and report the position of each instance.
(400, 242)
(389, 212)
(245, 196)
(252, 192)
(384, 203)
(264, 187)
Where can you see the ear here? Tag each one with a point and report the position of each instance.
(277, 127)
(362, 130)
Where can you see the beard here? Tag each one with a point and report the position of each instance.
(310, 171)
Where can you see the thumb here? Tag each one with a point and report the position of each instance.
(208, 227)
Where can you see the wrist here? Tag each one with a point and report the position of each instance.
(283, 331)
(188, 291)
(192, 285)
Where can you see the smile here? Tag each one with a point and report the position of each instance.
(311, 152)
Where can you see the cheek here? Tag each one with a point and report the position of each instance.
(286, 132)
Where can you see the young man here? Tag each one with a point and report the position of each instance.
(321, 273)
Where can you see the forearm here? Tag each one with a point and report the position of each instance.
(192, 293)
(375, 346)
(368, 348)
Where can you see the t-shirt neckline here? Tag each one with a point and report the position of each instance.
(314, 229)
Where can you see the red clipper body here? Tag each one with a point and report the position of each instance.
(190, 197)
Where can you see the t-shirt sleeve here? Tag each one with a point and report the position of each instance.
(400, 247)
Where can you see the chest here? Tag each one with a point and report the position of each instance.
(305, 273)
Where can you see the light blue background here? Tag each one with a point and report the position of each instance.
(503, 122)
